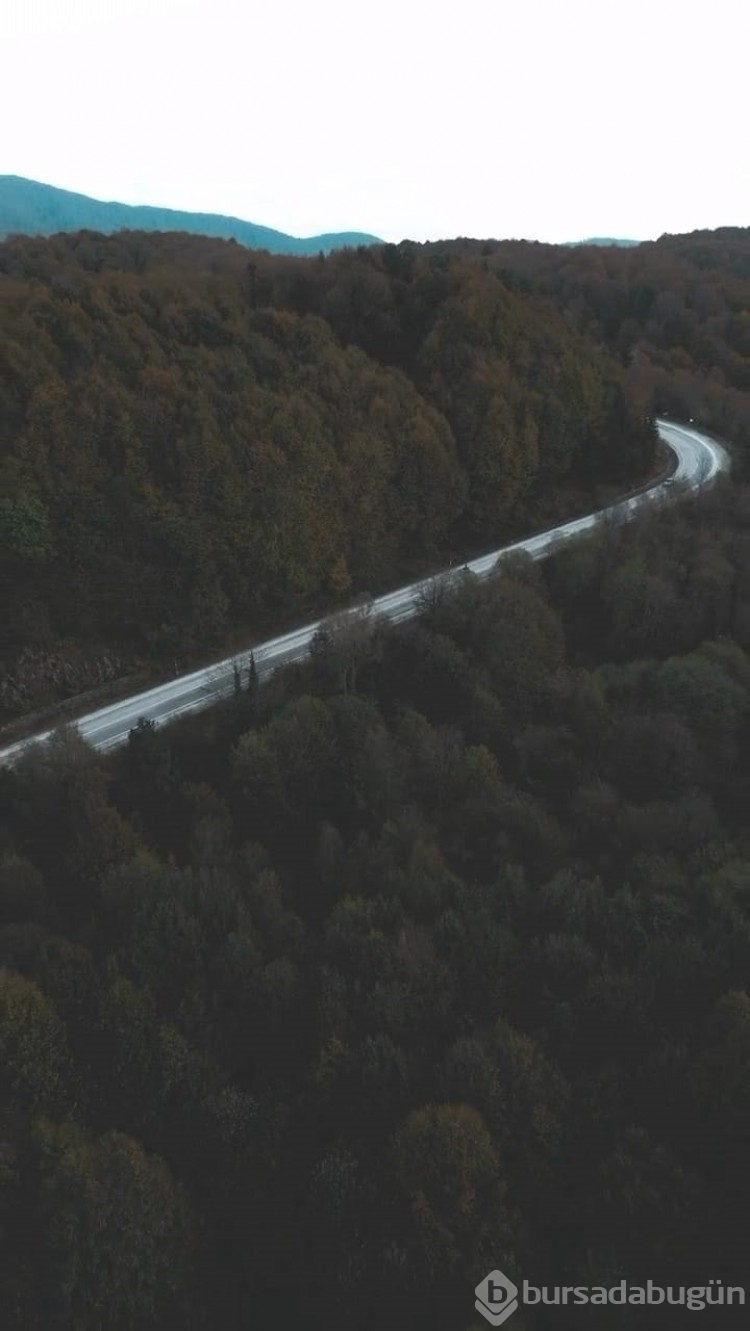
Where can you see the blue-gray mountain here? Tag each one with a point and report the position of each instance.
(603, 240)
(30, 208)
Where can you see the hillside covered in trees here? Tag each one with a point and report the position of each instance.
(676, 312)
(428, 957)
(199, 440)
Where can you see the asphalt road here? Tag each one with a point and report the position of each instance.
(699, 460)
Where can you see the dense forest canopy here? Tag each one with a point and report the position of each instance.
(429, 957)
(197, 439)
(675, 311)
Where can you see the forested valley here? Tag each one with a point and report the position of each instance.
(201, 442)
(430, 955)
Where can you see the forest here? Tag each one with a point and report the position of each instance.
(425, 957)
(430, 955)
(675, 311)
(201, 442)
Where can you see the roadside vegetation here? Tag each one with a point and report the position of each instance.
(200, 442)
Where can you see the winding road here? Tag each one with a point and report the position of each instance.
(699, 461)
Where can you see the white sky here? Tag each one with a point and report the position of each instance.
(549, 119)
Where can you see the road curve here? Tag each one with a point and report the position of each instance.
(699, 461)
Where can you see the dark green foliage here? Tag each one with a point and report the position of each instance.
(674, 311)
(196, 444)
(435, 961)
(428, 956)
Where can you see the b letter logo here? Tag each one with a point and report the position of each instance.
(496, 1298)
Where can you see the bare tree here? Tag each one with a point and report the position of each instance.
(340, 645)
(433, 593)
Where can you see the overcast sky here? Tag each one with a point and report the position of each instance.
(547, 119)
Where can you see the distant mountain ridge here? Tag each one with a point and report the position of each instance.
(603, 240)
(30, 208)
